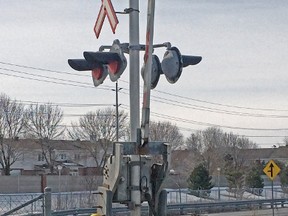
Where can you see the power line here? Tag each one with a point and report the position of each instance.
(64, 104)
(42, 69)
(51, 80)
(80, 115)
(46, 77)
(166, 116)
(248, 136)
(218, 125)
(54, 82)
(163, 116)
(158, 99)
(162, 92)
(265, 136)
(215, 110)
(175, 103)
(220, 104)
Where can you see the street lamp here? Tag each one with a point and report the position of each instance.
(59, 167)
(218, 182)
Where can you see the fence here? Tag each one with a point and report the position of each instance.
(34, 203)
(79, 202)
(21, 204)
(72, 200)
(32, 184)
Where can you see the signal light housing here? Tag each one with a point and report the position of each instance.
(171, 66)
(173, 63)
(81, 64)
(102, 63)
(99, 72)
(114, 59)
(156, 71)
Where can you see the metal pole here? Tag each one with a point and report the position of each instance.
(47, 202)
(117, 114)
(272, 198)
(59, 167)
(134, 100)
(218, 182)
(59, 180)
(134, 68)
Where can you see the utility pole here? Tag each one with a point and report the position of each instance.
(117, 110)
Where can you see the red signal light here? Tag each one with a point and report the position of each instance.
(97, 73)
(113, 67)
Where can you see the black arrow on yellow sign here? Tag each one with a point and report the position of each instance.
(271, 169)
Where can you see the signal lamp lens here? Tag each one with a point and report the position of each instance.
(113, 67)
(97, 73)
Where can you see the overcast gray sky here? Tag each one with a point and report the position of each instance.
(240, 85)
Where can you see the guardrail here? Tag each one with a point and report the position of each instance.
(226, 206)
(180, 209)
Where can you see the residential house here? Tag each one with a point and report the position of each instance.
(69, 157)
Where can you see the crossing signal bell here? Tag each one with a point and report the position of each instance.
(171, 66)
(102, 63)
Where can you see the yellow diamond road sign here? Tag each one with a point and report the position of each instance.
(271, 170)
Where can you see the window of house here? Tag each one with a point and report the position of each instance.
(77, 157)
(74, 173)
(62, 156)
(41, 157)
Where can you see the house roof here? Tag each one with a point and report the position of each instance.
(265, 153)
(35, 144)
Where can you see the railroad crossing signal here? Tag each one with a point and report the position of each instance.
(106, 9)
(271, 170)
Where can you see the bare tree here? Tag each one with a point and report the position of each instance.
(223, 150)
(235, 166)
(194, 142)
(48, 153)
(215, 144)
(12, 121)
(213, 148)
(44, 123)
(100, 128)
(10, 152)
(165, 131)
